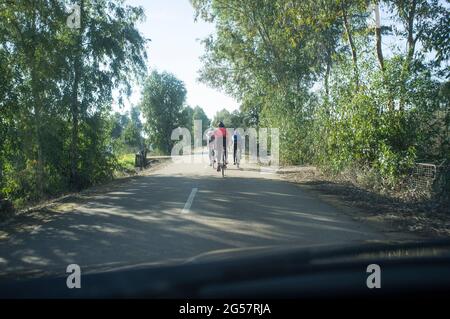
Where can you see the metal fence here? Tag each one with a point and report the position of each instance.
(425, 175)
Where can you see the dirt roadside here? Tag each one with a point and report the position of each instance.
(59, 203)
(384, 213)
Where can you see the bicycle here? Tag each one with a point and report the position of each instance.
(222, 166)
(213, 159)
(238, 157)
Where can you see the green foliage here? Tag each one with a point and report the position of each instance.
(162, 103)
(56, 87)
(199, 114)
(313, 69)
(126, 161)
(235, 119)
(163, 107)
(222, 116)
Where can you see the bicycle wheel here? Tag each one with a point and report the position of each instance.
(238, 158)
(223, 164)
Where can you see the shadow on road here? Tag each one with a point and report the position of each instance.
(141, 221)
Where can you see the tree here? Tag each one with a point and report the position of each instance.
(132, 136)
(123, 57)
(236, 119)
(316, 71)
(422, 21)
(56, 87)
(199, 114)
(162, 102)
(119, 123)
(222, 116)
(187, 115)
(133, 130)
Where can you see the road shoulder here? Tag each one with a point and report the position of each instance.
(398, 220)
(68, 201)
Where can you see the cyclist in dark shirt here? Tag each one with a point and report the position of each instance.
(237, 147)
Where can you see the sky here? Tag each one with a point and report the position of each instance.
(175, 47)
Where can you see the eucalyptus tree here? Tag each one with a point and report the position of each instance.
(423, 24)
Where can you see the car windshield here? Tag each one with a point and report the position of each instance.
(154, 134)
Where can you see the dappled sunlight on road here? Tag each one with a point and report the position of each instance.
(141, 221)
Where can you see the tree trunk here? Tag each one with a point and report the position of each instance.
(37, 106)
(351, 43)
(37, 127)
(380, 56)
(378, 37)
(74, 107)
(410, 52)
(327, 78)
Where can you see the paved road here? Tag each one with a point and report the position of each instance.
(148, 219)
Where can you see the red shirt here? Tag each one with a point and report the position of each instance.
(220, 132)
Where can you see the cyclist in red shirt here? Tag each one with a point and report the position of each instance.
(220, 138)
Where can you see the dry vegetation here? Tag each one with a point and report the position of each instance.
(396, 210)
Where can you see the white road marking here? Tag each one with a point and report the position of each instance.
(189, 201)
